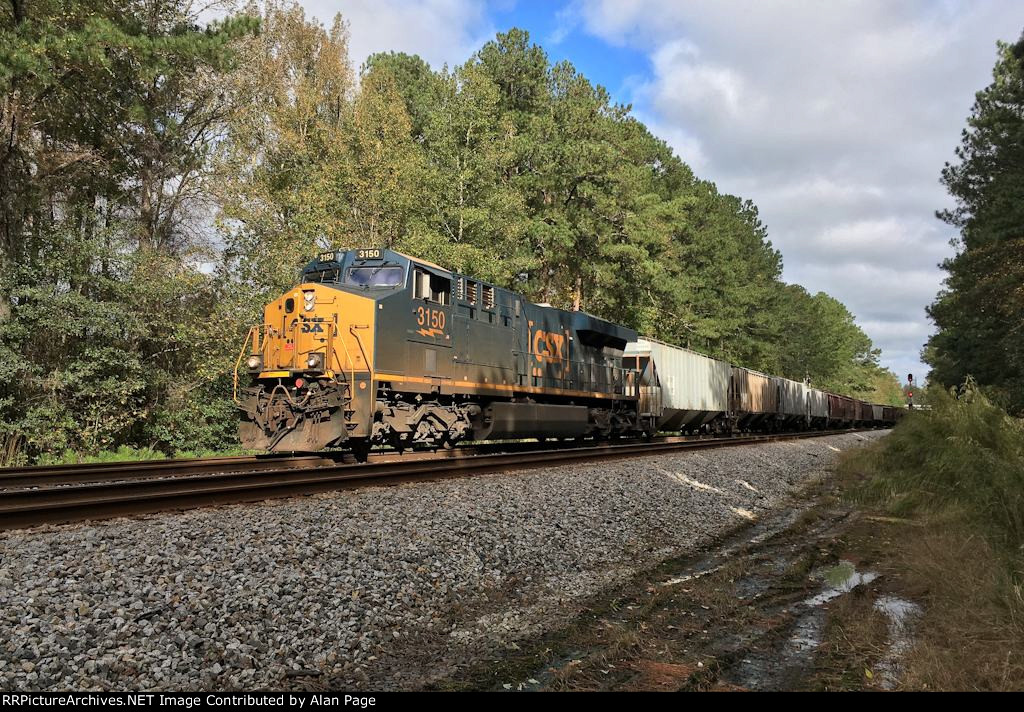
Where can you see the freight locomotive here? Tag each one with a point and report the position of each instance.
(374, 347)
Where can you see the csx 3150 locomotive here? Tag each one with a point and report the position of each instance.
(375, 347)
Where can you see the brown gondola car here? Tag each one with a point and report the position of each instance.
(842, 411)
(376, 347)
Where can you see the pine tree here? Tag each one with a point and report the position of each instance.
(980, 312)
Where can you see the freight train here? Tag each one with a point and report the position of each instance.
(374, 347)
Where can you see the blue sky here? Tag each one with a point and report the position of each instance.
(553, 26)
(835, 117)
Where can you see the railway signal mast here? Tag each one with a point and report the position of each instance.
(910, 390)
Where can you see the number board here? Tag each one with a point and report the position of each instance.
(327, 256)
(369, 254)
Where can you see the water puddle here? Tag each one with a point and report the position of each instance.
(761, 531)
(776, 668)
(780, 664)
(692, 577)
(841, 579)
(902, 615)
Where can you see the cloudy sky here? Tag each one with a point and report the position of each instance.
(835, 117)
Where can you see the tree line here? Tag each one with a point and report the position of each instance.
(162, 177)
(980, 311)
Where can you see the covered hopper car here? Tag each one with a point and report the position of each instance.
(681, 389)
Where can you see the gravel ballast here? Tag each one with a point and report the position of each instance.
(376, 588)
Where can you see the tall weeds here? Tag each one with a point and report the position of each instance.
(958, 471)
(11, 449)
(964, 454)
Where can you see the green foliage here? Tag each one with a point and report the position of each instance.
(980, 312)
(824, 343)
(284, 161)
(110, 112)
(964, 454)
(886, 390)
(121, 454)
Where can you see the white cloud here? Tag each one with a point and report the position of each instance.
(886, 242)
(440, 31)
(835, 118)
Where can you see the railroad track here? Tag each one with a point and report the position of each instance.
(75, 493)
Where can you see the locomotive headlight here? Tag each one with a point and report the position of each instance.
(308, 300)
(314, 361)
(253, 362)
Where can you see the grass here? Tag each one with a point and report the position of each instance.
(124, 454)
(957, 472)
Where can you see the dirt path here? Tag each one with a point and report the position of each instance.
(768, 608)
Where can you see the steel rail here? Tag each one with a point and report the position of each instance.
(44, 475)
(48, 475)
(23, 508)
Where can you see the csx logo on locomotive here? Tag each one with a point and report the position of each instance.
(548, 346)
(312, 327)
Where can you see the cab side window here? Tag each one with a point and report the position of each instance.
(431, 287)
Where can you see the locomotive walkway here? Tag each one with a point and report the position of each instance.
(67, 493)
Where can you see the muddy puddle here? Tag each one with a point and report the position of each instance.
(780, 666)
(902, 615)
(785, 659)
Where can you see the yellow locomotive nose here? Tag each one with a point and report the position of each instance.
(311, 360)
(316, 328)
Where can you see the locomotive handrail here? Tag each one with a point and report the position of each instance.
(366, 359)
(348, 360)
(241, 355)
(618, 377)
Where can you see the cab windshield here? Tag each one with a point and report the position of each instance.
(375, 276)
(323, 276)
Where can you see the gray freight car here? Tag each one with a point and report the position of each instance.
(792, 403)
(817, 407)
(682, 389)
